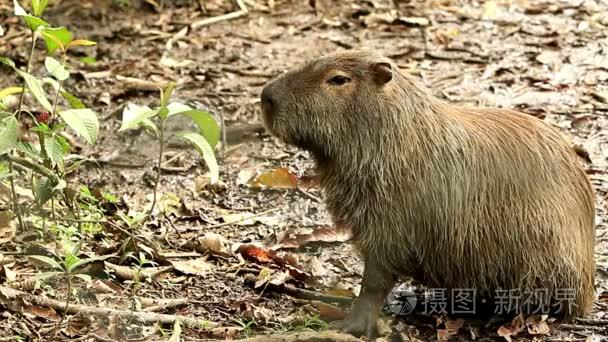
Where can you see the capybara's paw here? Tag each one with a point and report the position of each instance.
(358, 325)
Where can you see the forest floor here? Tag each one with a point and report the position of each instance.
(230, 254)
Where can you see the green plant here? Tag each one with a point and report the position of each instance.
(314, 323)
(153, 120)
(49, 161)
(141, 261)
(68, 267)
(247, 327)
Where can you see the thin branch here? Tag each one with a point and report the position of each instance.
(34, 167)
(229, 16)
(14, 300)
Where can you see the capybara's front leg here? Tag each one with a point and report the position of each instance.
(376, 284)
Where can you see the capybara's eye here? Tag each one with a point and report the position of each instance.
(338, 80)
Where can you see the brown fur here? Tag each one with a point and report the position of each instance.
(452, 196)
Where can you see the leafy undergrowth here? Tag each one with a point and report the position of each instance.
(112, 224)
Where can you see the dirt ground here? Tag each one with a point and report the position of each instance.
(545, 58)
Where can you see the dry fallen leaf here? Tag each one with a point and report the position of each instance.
(451, 329)
(328, 312)
(321, 234)
(279, 178)
(316, 267)
(537, 325)
(514, 328)
(198, 266)
(7, 226)
(216, 244)
(42, 312)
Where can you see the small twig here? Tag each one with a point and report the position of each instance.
(580, 327)
(229, 16)
(242, 219)
(34, 167)
(166, 305)
(591, 321)
(14, 300)
(300, 293)
(309, 195)
(173, 158)
(248, 73)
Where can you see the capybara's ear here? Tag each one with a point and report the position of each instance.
(382, 72)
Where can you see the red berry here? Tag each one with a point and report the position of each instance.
(43, 117)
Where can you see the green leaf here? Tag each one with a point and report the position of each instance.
(165, 94)
(149, 125)
(10, 91)
(205, 150)
(55, 147)
(56, 38)
(29, 150)
(7, 61)
(49, 80)
(35, 87)
(163, 112)
(75, 103)
(133, 115)
(207, 125)
(9, 134)
(81, 262)
(39, 6)
(43, 190)
(46, 260)
(80, 42)
(34, 23)
(84, 121)
(56, 69)
(70, 260)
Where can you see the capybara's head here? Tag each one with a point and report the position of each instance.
(329, 100)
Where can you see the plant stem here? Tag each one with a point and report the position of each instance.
(34, 167)
(27, 69)
(16, 208)
(67, 301)
(15, 199)
(159, 167)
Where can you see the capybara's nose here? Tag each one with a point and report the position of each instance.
(267, 101)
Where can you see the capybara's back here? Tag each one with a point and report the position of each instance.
(490, 200)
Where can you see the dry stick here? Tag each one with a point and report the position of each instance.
(15, 298)
(591, 321)
(306, 336)
(300, 293)
(34, 167)
(229, 16)
(242, 219)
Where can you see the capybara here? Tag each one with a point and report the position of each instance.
(450, 196)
